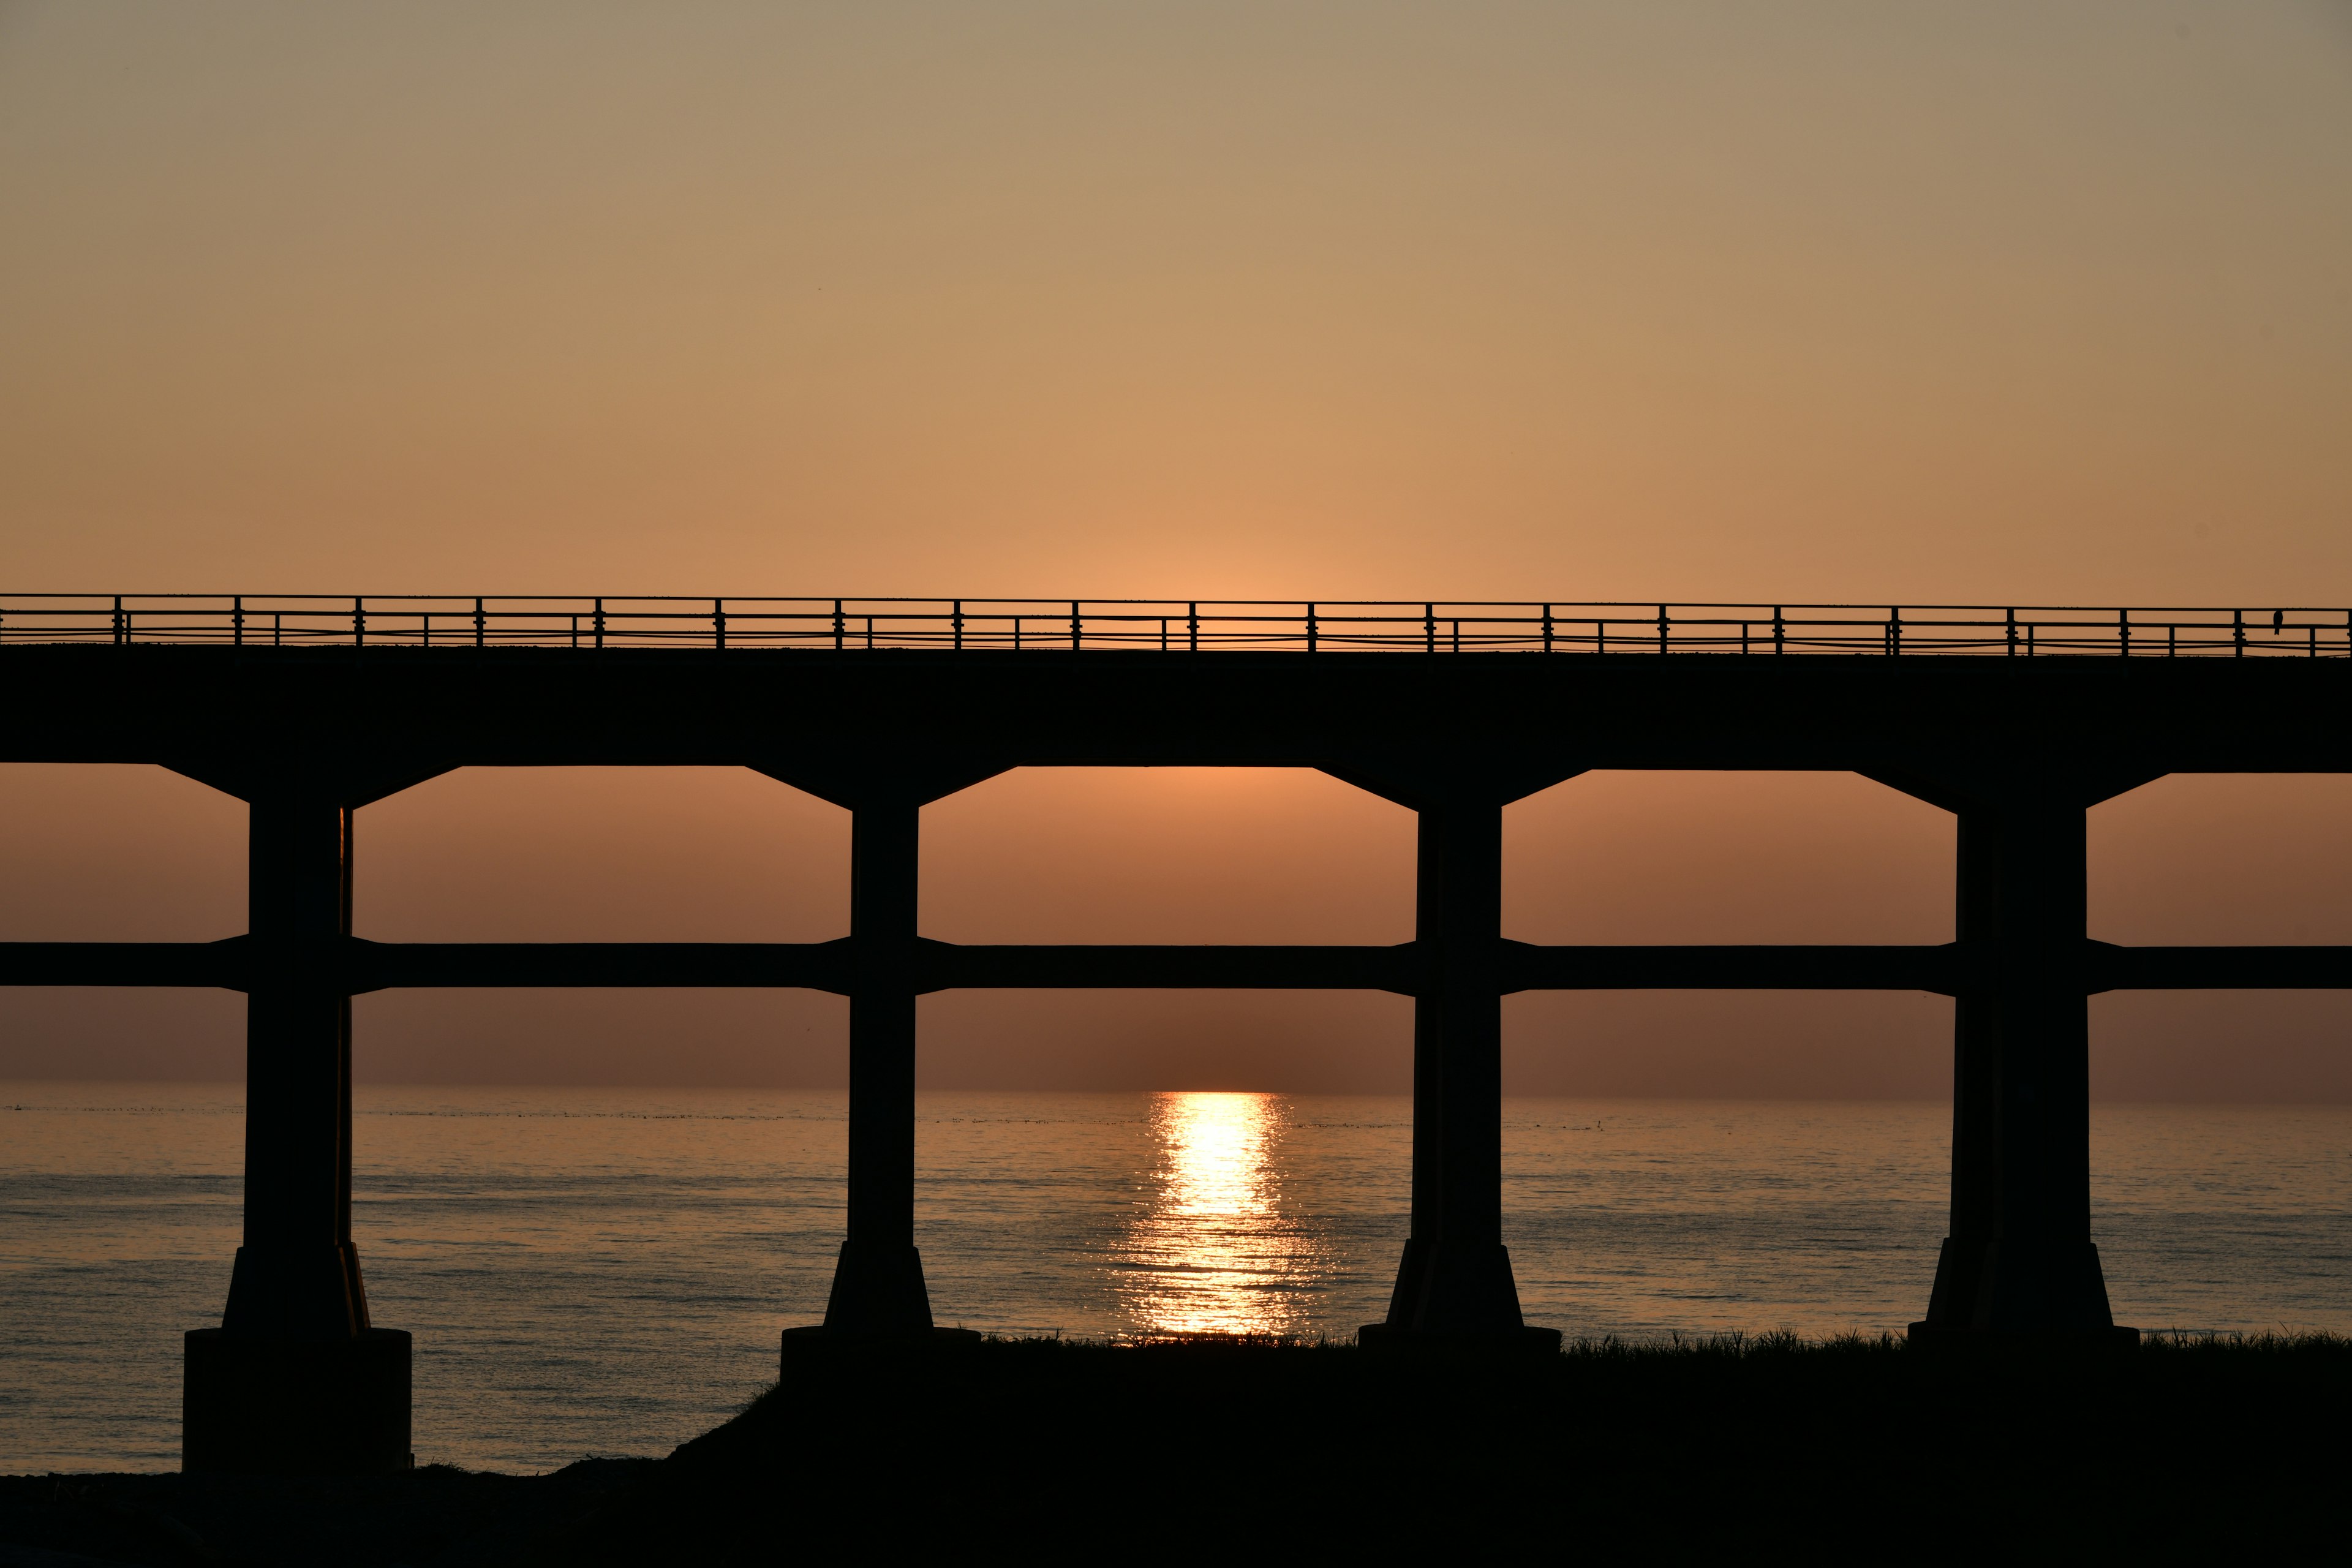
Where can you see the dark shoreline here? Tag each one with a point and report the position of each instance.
(1851, 1448)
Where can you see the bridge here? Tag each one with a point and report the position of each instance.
(2017, 720)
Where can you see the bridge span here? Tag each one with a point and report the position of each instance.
(2017, 720)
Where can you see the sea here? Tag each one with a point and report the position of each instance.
(606, 1272)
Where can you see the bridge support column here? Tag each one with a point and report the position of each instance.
(878, 1284)
(296, 1378)
(879, 1294)
(1454, 1282)
(2019, 1260)
(1455, 1278)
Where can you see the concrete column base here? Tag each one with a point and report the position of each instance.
(254, 1405)
(2012, 1290)
(1457, 1287)
(878, 1288)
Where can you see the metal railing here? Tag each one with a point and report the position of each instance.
(2025, 631)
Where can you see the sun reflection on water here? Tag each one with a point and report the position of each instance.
(1210, 1250)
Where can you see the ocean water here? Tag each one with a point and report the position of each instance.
(606, 1272)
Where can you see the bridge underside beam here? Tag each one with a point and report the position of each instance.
(827, 966)
(2112, 968)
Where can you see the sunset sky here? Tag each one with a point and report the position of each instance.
(1803, 302)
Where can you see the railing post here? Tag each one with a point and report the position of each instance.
(1192, 627)
(1429, 625)
(481, 623)
(2013, 633)
(600, 621)
(122, 631)
(840, 628)
(1894, 631)
(718, 625)
(359, 623)
(2237, 633)
(958, 619)
(1311, 628)
(2122, 634)
(1546, 628)
(1780, 632)
(1076, 631)
(236, 620)
(1662, 628)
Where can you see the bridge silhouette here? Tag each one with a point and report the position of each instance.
(2016, 720)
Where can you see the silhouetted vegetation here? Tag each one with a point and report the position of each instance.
(1855, 1448)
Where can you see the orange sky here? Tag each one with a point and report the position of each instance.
(1807, 302)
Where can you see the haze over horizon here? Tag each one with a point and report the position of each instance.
(1818, 302)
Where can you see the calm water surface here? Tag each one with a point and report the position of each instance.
(605, 1271)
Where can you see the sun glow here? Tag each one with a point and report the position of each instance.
(1210, 1250)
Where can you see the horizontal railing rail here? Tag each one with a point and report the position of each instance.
(359, 965)
(443, 621)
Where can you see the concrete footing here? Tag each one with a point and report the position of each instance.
(1386, 1339)
(1961, 1342)
(818, 1345)
(254, 1405)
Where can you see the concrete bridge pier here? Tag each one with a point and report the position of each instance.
(296, 1378)
(878, 1284)
(2019, 1260)
(1455, 1281)
(878, 1290)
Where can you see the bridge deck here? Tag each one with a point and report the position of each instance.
(307, 728)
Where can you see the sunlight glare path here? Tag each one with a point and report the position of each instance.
(1208, 1248)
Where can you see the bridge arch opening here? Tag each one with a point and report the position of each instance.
(1167, 855)
(1611, 857)
(1706, 856)
(2223, 859)
(601, 854)
(1177, 856)
(118, 852)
